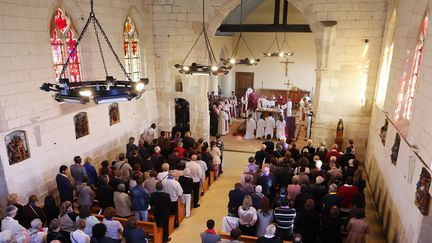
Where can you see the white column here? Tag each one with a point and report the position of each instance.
(213, 84)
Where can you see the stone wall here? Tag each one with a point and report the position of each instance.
(26, 63)
(394, 185)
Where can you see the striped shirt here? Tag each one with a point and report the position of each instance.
(284, 217)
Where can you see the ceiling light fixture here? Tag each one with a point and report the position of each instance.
(280, 49)
(203, 69)
(245, 61)
(101, 91)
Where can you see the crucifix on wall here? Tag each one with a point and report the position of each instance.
(286, 62)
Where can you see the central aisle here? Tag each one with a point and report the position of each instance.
(215, 201)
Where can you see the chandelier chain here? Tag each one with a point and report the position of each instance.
(100, 48)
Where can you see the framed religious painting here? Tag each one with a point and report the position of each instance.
(17, 146)
(178, 84)
(114, 114)
(395, 149)
(81, 125)
(422, 195)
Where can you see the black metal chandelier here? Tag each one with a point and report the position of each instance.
(100, 91)
(213, 68)
(280, 49)
(245, 61)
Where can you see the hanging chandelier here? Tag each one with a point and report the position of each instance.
(100, 91)
(280, 49)
(203, 69)
(245, 61)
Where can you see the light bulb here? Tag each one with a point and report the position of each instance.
(214, 68)
(232, 61)
(268, 54)
(86, 93)
(139, 86)
(252, 61)
(281, 54)
(186, 68)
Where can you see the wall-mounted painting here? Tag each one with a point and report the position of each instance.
(17, 146)
(422, 196)
(81, 125)
(383, 132)
(395, 149)
(114, 114)
(178, 84)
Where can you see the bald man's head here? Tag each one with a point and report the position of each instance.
(194, 157)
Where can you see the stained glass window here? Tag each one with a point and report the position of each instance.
(405, 99)
(131, 50)
(63, 40)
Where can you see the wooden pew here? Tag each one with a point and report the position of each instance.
(212, 177)
(148, 227)
(206, 184)
(181, 207)
(243, 238)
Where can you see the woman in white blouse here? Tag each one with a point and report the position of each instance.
(216, 154)
(114, 227)
(247, 217)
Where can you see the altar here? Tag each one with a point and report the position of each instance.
(275, 112)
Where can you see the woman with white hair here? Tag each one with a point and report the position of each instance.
(269, 235)
(122, 202)
(18, 232)
(36, 232)
(164, 174)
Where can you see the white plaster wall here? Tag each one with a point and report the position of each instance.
(25, 63)
(270, 73)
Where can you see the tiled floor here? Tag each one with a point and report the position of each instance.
(214, 203)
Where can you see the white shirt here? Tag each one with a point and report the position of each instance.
(114, 229)
(78, 236)
(36, 236)
(162, 175)
(173, 188)
(216, 153)
(195, 169)
(149, 134)
(90, 222)
(203, 167)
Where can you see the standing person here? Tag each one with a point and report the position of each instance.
(223, 123)
(307, 222)
(357, 228)
(188, 141)
(85, 214)
(18, 232)
(105, 193)
(54, 232)
(280, 128)
(265, 217)
(78, 172)
(270, 124)
(122, 202)
(78, 236)
(269, 236)
(114, 228)
(196, 174)
(67, 219)
(284, 217)
(210, 235)
(174, 189)
(64, 185)
(36, 232)
(124, 168)
(84, 194)
(261, 155)
(149, 134)
(187, 184)
(32, 211)
(50, 209)
(250, 127)
(269, 144)
(216, 154)
(260, 128)
(140, 200)
(99, 232)
(220, 145)
(161, 203)
(236, 197)
(130, 146)
(91, 172)
(331, 227)
(247, 217)
(13, 199)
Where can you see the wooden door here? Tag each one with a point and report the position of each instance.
(244, 80)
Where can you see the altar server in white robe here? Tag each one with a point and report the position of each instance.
(288, 107)
(280, 128)
(250, 128)
(270, 124)
(260, 127)
(223, 123)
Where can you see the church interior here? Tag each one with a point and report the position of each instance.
(81, 77)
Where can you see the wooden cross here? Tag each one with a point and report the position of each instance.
(286, 62)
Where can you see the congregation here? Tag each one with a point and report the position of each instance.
(145, 183)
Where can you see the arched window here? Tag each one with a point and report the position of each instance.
(131, 50)
(63, 40)
(405, 99)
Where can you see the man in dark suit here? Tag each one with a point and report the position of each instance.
(330, 200)
(261, 155)
(236, 197)
(64, 185)
(269, 144)
(161, 203)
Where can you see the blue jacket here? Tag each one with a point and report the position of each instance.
(140, 198)
(91, 174)
(65, 188)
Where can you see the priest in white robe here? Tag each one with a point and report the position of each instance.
(288, 107)
(250, 128)
(223, 123)
(280, 128)
(269, 126)
(260, 128)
